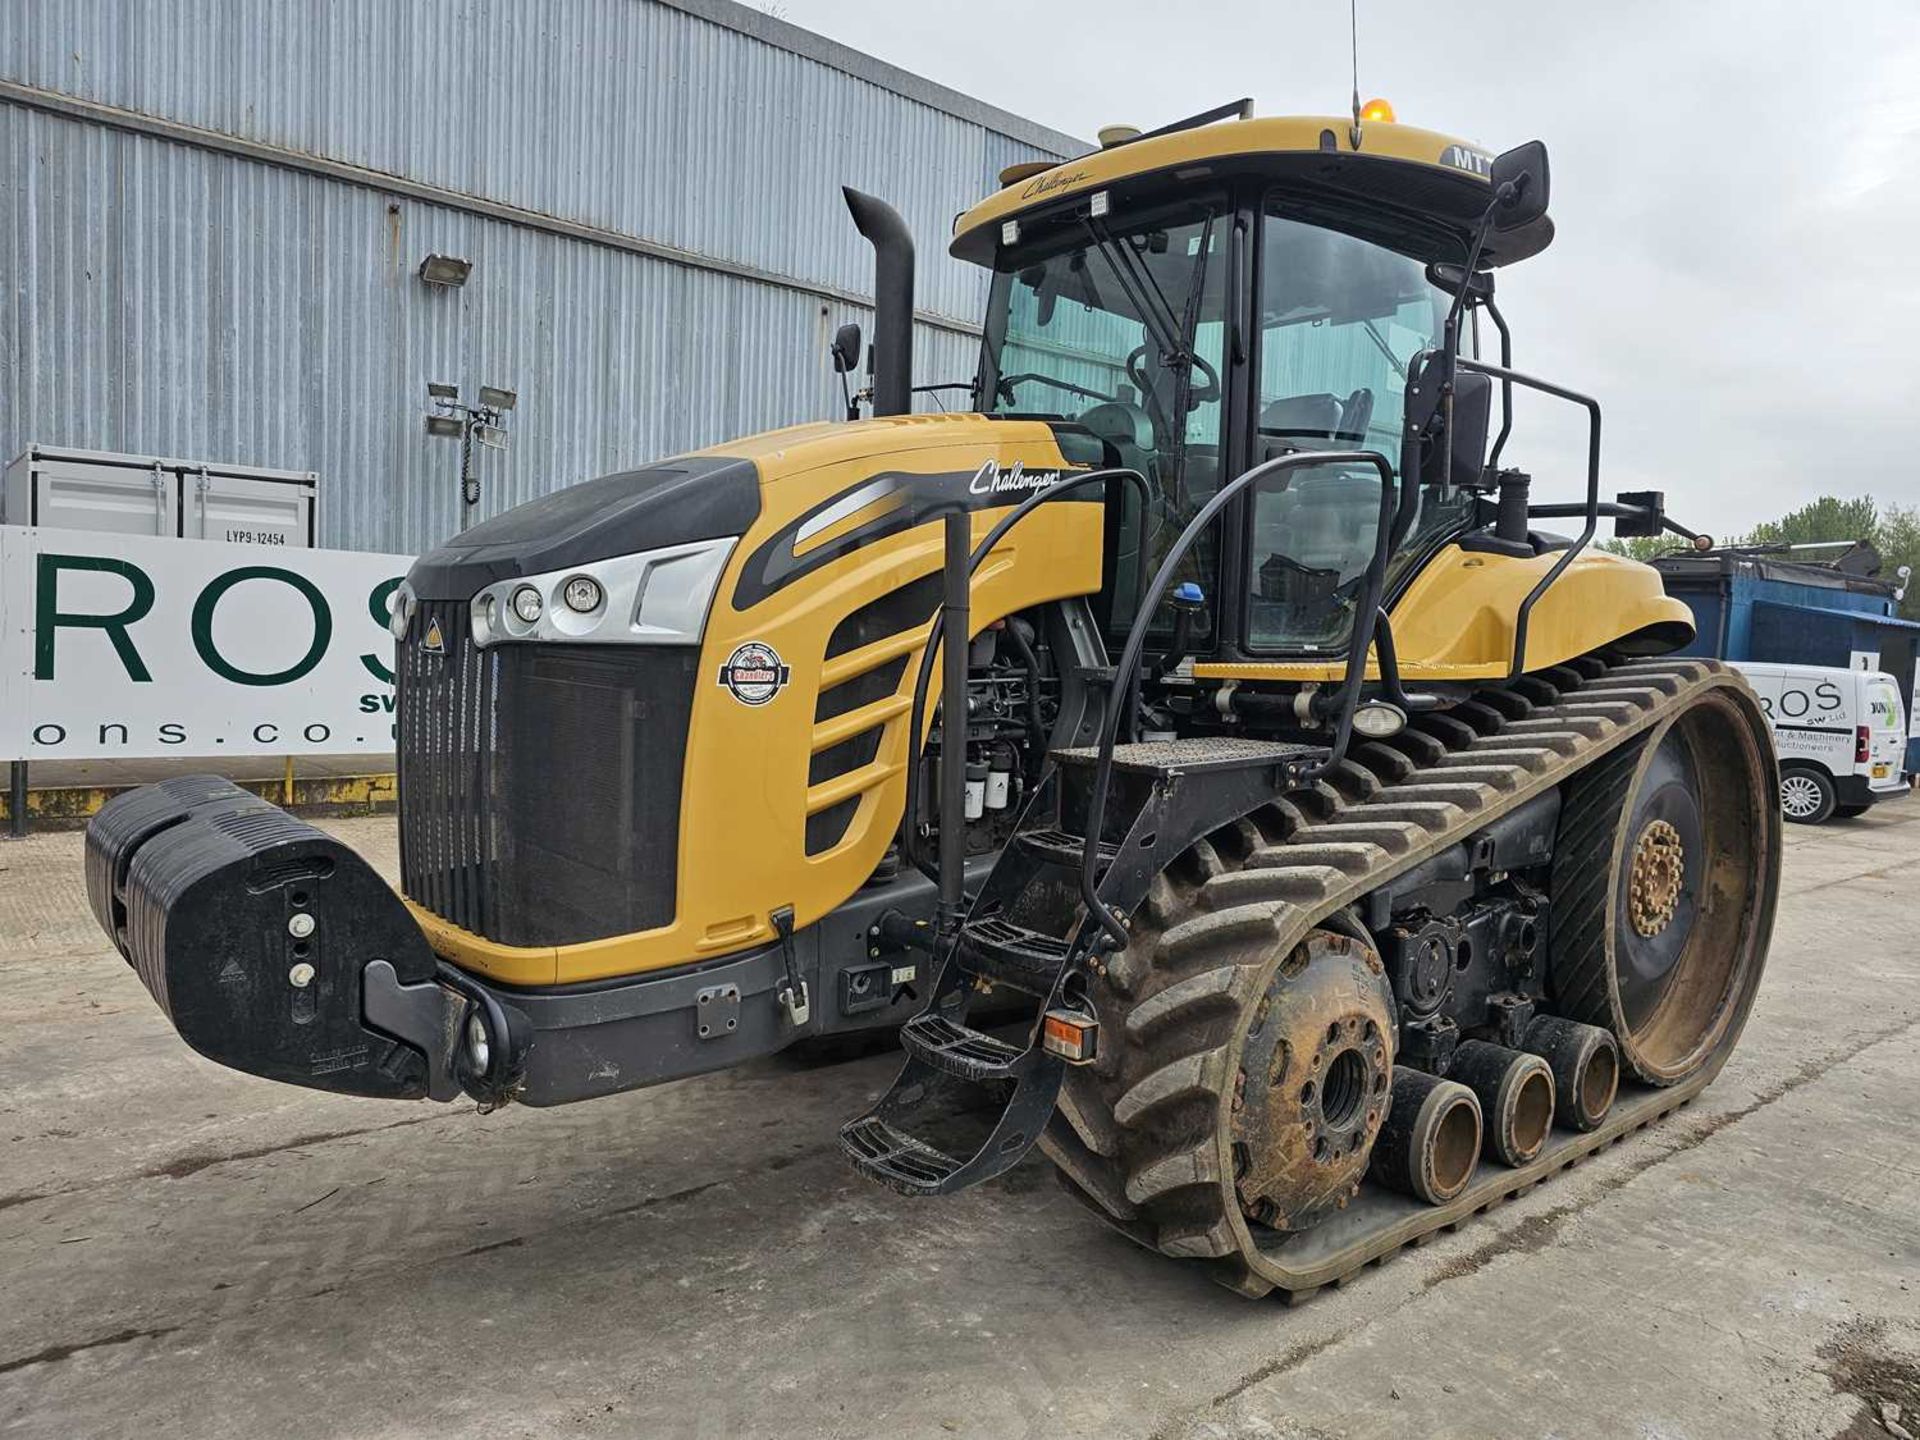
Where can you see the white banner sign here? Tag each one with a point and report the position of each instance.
(122, 646)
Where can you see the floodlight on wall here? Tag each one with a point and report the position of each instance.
(455, 419)
(448, 270)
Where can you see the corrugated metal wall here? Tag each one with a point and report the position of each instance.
(170, 298)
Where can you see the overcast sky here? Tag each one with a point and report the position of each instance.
(1736, 186)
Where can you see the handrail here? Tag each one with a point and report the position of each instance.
(1390, 683)
(935, 634)
(1591, 509)
(1506, 385)
(1364, 618)
(1410, 441)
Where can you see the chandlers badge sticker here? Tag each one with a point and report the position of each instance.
(754, 673)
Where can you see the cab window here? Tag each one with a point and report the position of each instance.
(1340, 321)
(1120, 331)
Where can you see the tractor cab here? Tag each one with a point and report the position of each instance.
(1191, 303)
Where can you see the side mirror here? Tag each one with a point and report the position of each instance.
(846, 349)
(1472, 415)
(1426, 430)
(1520, 186)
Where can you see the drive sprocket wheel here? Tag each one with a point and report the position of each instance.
(1660, 889)
(1313, 1082)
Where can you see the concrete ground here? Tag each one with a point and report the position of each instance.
(185, 1251)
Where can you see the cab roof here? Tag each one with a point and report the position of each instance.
(1427, 191)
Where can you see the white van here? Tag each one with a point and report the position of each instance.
(1841, 736)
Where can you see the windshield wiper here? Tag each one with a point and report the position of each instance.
(1160, 318)
(1373, 333)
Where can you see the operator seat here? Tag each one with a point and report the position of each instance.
(1323, 521)
(1301, 417)
(1127, 431)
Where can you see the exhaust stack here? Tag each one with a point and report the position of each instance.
(892, 300)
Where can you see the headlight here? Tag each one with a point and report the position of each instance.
(583, 594)
(479, 1051)
(658, 597)
(400, 610)
(1378, 720)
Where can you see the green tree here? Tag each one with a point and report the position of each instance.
(1898, 540)
(1645, 547)
(1895, 533)
(1828, 518)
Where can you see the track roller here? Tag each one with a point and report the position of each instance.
(1430, 1140)
(1516, 1094)
(1586, 1068)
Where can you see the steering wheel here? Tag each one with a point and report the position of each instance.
(1348, 589)
(1287, 562)
(1201, 394)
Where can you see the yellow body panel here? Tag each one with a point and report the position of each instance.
(1208, 144)
(1456, 620)
(745, 796)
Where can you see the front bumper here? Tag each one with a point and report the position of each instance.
(276, 950)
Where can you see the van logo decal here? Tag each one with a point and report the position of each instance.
(754, 673)
(433, 642)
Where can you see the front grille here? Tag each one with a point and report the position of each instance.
(448, 717)
(540, 784)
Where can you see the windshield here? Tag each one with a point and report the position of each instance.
(1121, 334)
(1341, 319)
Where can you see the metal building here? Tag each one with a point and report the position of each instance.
(213, 221)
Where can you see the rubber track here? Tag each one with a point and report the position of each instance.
(1582, 887)
(1143, 1136)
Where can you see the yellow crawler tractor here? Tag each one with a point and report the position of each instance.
(1348, 852)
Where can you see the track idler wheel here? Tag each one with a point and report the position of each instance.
(1431, 1140)
(1585, 1065)
(1312, 1088)
(1663, 880)
(1515, 1091)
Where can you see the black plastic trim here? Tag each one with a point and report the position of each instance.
(695, 497)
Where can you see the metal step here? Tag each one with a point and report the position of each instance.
(1059, 847)
(883, 1153)
(1200, 752)
(997, 949)
(880, 1147)
(959, 1050)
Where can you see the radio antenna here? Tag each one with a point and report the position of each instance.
(1353, 35)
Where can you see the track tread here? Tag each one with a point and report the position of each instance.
(1212, 932)
(1178, 1079)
